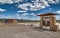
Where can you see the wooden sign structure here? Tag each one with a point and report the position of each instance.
(53, 25)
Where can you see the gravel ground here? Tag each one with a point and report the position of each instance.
(21, 31)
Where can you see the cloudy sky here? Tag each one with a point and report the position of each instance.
(28, 9)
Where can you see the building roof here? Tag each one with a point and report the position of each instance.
(47, 14)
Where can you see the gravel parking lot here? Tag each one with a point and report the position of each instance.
(21, 31)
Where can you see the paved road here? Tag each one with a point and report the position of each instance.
(20, 31)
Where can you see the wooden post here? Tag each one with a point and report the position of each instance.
(54, 20)
(53, 27)
(51, 22)
(41, 22)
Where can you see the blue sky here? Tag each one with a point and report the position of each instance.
(28, 9)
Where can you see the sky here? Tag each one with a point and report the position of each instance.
(28, 9)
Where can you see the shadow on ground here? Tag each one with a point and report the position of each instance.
(43, 29)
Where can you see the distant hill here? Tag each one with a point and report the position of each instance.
(24, 20)
(27, 20)
(33, 20)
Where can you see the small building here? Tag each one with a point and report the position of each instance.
(6, 21)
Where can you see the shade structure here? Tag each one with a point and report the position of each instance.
(52, 20)
(47, 14)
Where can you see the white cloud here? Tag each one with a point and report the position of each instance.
(27, 14)
(9, 16)
(6, 1)
(33, 14)
(1, 10)
(24, 14)
(24, 6)
(9, 1)
(50, 8)
(58, 12)
(6, 17)
(32, 7)
(53, 1)
(23, 17)
(15, 1)
(17, 15)
(22, 11)
(58, 17)
(38, 4)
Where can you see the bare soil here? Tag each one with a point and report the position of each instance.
(21, 31)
